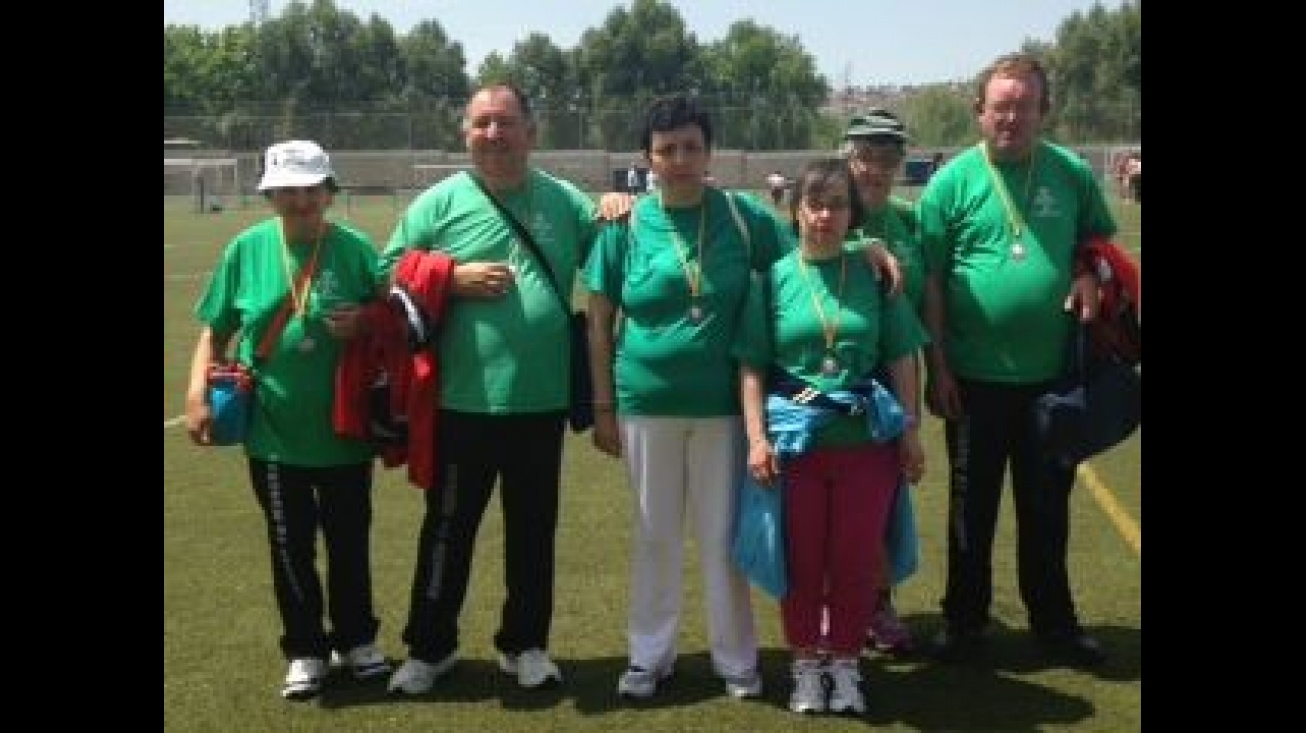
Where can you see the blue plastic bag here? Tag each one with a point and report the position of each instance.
(901, 541)
(759, 542)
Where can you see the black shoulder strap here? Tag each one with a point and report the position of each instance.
(525, 235)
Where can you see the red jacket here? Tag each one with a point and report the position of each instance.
(414, 375)
(1119, 326)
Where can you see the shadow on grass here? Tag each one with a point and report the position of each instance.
(1001, 688)
(996, 689)
(470, 681)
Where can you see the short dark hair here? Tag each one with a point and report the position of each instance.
(523, 101)
(672, 112)
(821, 175)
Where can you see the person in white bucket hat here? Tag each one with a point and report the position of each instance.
(291, 286)
(296, 164)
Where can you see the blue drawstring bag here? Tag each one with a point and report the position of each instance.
(231, 392)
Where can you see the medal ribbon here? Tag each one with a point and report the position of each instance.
(300, 286)
(1014, 217)
(828, 329)
(693, 271)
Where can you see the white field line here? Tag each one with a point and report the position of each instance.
(173, 422)
(1124, 523)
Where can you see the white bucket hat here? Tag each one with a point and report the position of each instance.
(295, 164)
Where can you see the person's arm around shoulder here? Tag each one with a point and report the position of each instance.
(885, 264)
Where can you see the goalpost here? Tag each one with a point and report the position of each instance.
(210, 183)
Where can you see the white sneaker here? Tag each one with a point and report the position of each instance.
(365, 661)
(304, 679)
(642, 683)
(416, 677)
(745, 687)
(846, 696)
(532, 667)
(809, 687)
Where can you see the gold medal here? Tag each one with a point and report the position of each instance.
(693, 270)
(829, 326)
(1015, 219)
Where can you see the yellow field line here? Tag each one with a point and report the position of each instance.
(1124, 523)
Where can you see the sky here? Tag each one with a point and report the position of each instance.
(917, 42)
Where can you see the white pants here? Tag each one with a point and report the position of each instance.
(679, 466)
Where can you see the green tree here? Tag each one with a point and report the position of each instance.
(767, 87)
(941, 115)
(633, 56)
(1096, 71)
(544, 73)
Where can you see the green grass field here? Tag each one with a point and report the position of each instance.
(222, 667)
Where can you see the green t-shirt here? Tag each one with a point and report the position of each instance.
(782, 326)
(1005, 320)
(509, 354)
(895, 224)
(667, 362)
(291, 421)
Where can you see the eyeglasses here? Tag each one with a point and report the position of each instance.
(505, 124)
(1019, 108)
(833, 203)
(862, 159)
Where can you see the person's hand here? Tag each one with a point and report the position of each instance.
(482, 279)
(344, 322)
(605, 435)
(614, 206)
(763, 465)
(886, 266)
(199, 419)
(1083, 299)
(912, 456)
(942, 396)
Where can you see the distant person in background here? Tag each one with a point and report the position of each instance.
(936, 162)
(651, 181)
(1120, 172)
(776, 183)
(1000, 225)
(1134, 176)
(297, 280)
(633, 184)
(875, 145)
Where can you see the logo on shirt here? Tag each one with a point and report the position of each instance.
(1045, 204)
(541, 227)
(328, 288)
